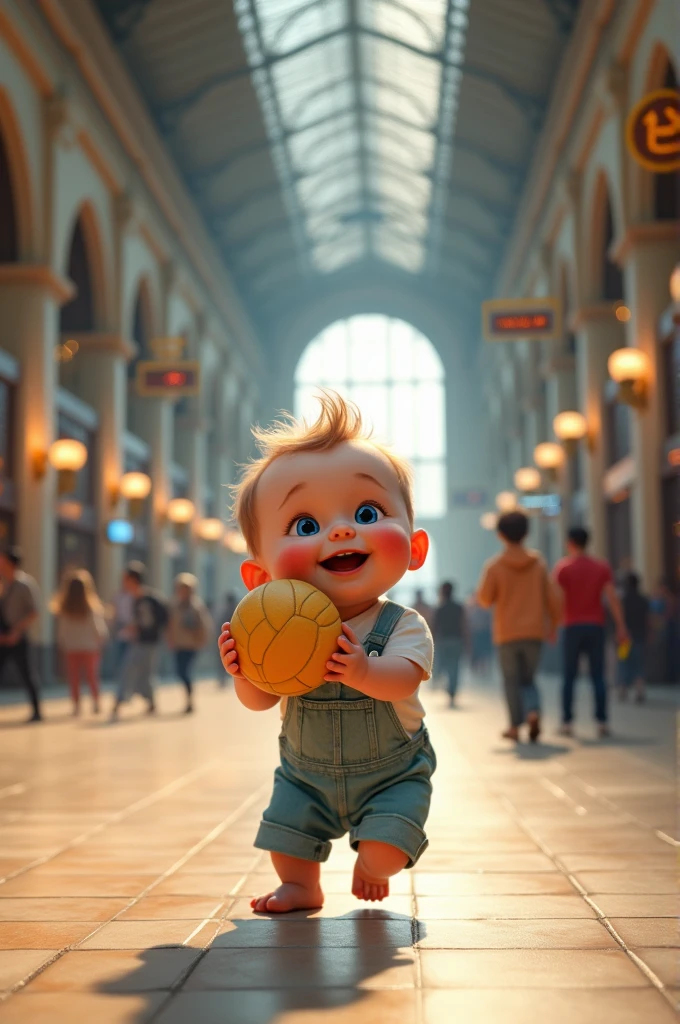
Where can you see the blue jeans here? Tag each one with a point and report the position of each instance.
(183, 662)
(584, 639)
(632, 668)
(449, 651)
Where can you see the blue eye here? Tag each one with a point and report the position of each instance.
(367, 514)
(305, 526)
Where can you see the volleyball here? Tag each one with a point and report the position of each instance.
(285, 632)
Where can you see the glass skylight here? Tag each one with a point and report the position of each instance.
(360, 115)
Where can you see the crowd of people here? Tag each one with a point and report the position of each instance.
(135, 628)
(520, 604)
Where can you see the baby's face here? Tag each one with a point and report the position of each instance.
(335, 519)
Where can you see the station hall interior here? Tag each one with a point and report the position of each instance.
(464, 217)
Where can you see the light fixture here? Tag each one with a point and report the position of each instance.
(180, 511)
(488, 521)
(674, 283)
(120, 531)
(68, 456)
(210, 529)
(135, 487)
(548, 455)
(506, 501)
(527, 479)
(622, 314)
(570, 427)
(629, 367)
(235, 542)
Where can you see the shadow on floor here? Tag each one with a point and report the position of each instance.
(256, 970)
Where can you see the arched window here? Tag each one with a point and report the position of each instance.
(9, 242)
(396, 377)
(667, 186)
(78, 314)
(612, 278)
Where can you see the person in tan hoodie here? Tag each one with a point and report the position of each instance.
(527, 609)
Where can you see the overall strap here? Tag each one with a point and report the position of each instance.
(389, 616)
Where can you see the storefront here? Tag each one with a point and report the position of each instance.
(670, 465)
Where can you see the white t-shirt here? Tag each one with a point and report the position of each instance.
(411, 638)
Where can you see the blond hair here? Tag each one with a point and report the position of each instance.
(78, 597)
(338, 421)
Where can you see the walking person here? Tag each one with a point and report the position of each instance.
(527, 609)
(586, 581)
(423, 608)
(636, 614)
(19, 608)
(450, 635)
(190, 628)
(81, 635)
(149, 621)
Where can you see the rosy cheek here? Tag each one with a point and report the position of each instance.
(390, 543)
(295, 562)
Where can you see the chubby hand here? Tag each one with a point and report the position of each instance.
(227, 648)
(349, 665)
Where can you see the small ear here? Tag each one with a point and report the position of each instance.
(253, 575)
(420, 544)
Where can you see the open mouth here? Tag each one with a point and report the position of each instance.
(346, 561)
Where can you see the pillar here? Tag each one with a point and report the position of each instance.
(155, 427)
(191, 453)
(648, 254)
(30, 297)
(598, 334)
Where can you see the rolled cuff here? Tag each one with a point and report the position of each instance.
(394, 830)
(282, 839)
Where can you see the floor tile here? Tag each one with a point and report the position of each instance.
(491, 883)
(172, 908)
(665, 963)
(139, 934)
(529, 968)
(278, 968)
(613, 905)
(322, 932)
(43, 934)
(585, 1006)
(629, 882)
(80, 1008)
(336, 906)
(497, 907)
(302, 1006)
(77, 885)
(514, 935)
(186, 884)
(17, 964)
(648, 931)
(115, 971)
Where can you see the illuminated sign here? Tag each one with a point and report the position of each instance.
(157, 379)
(516, 319)
(119, 531)
(548, 504)
(653, 131)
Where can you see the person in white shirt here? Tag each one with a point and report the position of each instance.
(81, 634)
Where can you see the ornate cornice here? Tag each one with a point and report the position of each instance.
(103, 342)
(593, 312)
(33, 275)
(658, 231)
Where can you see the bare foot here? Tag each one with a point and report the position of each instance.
(288, 896)
(365, 887)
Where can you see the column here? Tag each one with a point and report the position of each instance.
(30, 297)
(191, 453)
(598, 334)
(103, 383)
(648, 254)
(155, 427)
(562, 397)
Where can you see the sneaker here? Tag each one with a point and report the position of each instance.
(565, 729)
(534, 723)
(603, 731)
(151, 708)
(189, 708)
(511, 734)
(114, 711)
(35, 717)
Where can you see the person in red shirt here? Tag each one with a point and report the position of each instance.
(585, 582)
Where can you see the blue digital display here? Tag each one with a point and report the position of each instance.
(119, 531)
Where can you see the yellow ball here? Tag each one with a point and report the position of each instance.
(285, 632)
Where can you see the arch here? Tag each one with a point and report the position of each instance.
(655, 196)
(9, 234)
(666, 187)
(395, 375)
(17, 180)
(86, 311)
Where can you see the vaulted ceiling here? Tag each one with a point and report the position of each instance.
(327, 138)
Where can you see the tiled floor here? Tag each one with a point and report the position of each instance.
(126, 864)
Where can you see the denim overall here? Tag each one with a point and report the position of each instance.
(348, 765)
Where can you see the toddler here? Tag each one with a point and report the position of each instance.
(81, 634)
(327, 505)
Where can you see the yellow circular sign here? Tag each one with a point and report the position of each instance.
(653, 131)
